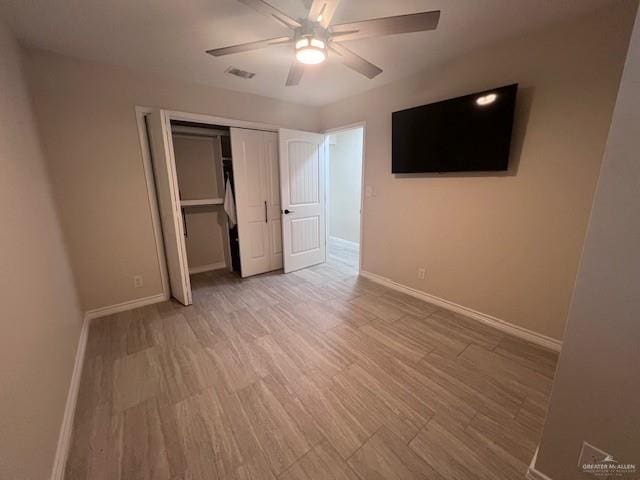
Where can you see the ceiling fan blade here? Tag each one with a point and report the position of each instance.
(271, 11)
(246, 47)
(322, 11)
(295, 74)
(355, 62)
(414, 22)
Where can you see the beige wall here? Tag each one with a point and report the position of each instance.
(507, 246)
(86, 117)
(41, 318)
(597, 385)
(345, 181)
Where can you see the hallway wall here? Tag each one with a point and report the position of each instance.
(345, 180)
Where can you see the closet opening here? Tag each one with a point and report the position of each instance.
(204, 171)
(231, 194)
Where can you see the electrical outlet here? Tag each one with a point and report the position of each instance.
(421, 273)
(138, 281)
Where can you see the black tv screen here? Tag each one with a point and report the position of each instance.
(464, 134)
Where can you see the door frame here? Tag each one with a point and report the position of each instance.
(327, 199)
(140, 113)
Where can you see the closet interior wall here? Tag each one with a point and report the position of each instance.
(200, 170)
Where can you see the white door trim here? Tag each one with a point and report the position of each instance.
(171, 213)
(351, 126)
(143, 138)
(225, 122)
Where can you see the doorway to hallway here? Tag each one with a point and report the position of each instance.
(344, 196)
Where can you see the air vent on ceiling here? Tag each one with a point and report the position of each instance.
(240, 73)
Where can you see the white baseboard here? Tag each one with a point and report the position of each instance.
(344, 243)
(532, 473)
(207, 268)
(520, 332)
(124, 306)
(66, 429)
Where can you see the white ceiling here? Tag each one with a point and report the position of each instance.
(170, 37)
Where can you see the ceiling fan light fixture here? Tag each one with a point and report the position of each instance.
(303, 42)
(311, 51)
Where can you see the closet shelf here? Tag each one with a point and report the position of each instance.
(201, 201)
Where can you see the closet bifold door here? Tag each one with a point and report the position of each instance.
(256, 178)
(164, 169)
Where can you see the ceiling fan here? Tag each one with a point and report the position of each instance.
(314, 36)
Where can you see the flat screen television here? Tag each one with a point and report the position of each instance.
(465, 134)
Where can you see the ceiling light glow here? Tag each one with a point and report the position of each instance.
(311, 56)
(310, 51)
(486, 99)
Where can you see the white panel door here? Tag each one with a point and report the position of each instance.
(302, 164)
(255, 163)
(164, 169)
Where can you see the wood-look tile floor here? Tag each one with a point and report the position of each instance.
(343, 254)
(317, 374)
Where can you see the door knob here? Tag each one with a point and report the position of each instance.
(287, 211)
